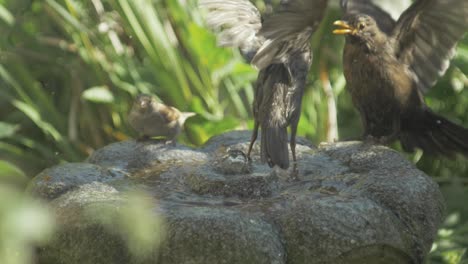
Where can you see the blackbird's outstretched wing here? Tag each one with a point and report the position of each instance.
(288, 28)
(425, 37)
(385, 22)
(238, 22)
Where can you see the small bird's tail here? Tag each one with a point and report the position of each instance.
(274, 145)
(185, 115)
(434, 134)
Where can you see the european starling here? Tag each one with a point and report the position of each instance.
(152, 119)
(279, 46)
(389, 64)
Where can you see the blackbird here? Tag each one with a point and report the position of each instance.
(152, 119)
(279, 46)
(388, 65)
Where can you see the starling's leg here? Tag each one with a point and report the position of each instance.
(295, 172)
(253, 138)
(292, 142)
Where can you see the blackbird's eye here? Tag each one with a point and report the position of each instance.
(361, 26)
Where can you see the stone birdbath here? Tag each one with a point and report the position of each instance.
(346, 202)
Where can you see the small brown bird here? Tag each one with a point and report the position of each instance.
(389, 64)
(277, 45)
(152, 119)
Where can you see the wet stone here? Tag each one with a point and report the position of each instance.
(345, 202)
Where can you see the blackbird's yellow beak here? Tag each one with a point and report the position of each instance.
(345, 28)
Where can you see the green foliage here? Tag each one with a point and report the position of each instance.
(70, 68)
(450, 246)
(24, 223)
(69, 84)
(9, 173)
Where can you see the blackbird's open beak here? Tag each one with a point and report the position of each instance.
(345, 28)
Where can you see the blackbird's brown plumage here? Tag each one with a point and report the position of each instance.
(278, 45)
(388, 65)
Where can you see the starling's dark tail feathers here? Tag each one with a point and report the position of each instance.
(274, 145)
(434, 134)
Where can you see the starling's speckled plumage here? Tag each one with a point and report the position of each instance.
(277, 45)
(388, 65)
(152, 119)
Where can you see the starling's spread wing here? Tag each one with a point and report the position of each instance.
(426, 35)
(238, 22)
(290, 27)
(269, 42)
(383, 19)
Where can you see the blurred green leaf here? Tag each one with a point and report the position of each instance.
(98, 94)
(36, 117)
(10, 170)
(11, 174)
(453, 256)
(7, 130)
(6, 16)
(24, 224)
